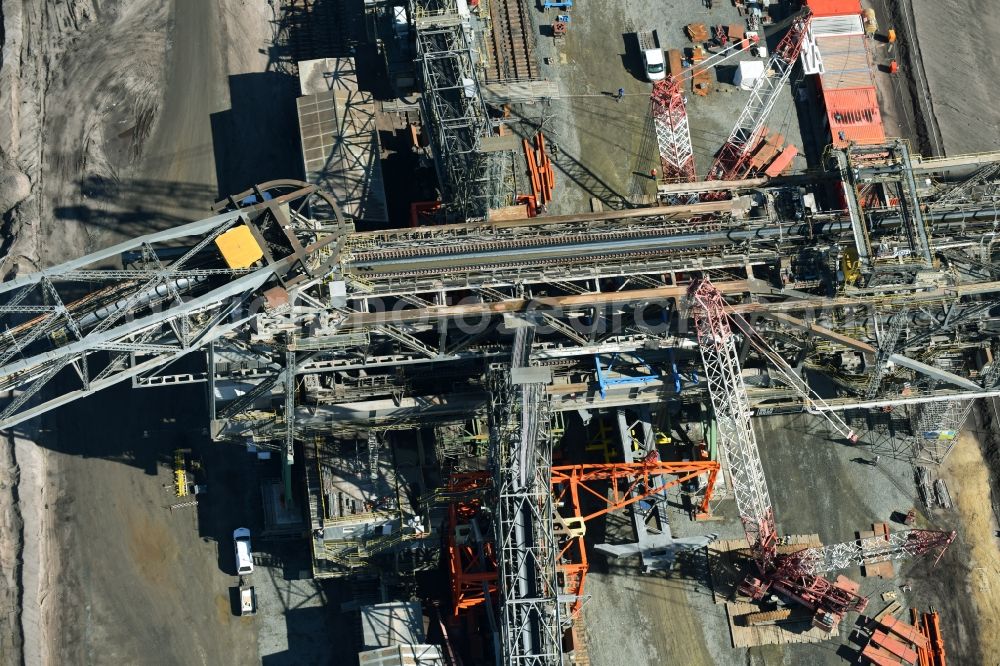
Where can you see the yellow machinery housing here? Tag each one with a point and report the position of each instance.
(239, 248)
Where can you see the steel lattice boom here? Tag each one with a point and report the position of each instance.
(796, 575)
(872, 550)
(673, 134)
(733, 159)
(176, 296)
(737, 440)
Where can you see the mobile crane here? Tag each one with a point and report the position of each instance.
(798, 575)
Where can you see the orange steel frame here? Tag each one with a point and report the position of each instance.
(467, 572)
(630, 483)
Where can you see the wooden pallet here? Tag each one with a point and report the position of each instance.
(889, 610)
(878, 569)
(727, 559)
(769, 634)
(581, 648)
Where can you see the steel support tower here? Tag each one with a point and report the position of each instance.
(531, 628)
(472, 181)
(937, 425)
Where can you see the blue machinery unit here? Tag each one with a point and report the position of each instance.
(604, 382)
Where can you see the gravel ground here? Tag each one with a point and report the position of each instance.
(137, 583)
(106, 109)
(816, 486)
(961, 70)
(607, 148)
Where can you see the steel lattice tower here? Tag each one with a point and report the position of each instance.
(472, 181)
(673, 134)
(522, 452)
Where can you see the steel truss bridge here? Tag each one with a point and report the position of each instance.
(890, 291)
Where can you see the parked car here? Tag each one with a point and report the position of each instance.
(244, 556)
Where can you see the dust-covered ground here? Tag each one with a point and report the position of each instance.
(606, 149)
(956, 40)
(820, 484)
(111, 114)
(973, 475)
(66, 68)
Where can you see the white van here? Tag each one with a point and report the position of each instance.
(244, 557)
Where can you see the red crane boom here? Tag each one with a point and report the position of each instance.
(796, 575)
(733, 160)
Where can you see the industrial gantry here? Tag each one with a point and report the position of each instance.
(302, 326)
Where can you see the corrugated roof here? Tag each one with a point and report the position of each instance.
(845, 62)
(394, 623)
(854, 116)
(834, 7)
(340, 150)
(828, 26)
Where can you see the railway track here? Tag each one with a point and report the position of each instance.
(512, 54)
(559, 261)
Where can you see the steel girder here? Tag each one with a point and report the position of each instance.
(347, 340)
(521, 454)
(112, 325)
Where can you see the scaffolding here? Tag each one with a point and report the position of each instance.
(472, 181)
(937, 425)
(886, 348)
(531, 632)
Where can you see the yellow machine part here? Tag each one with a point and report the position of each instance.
(180, 483)
(239, 248)
(850, 263)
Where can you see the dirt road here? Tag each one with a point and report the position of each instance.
(138, 583)
(115, 133)
(195, 87)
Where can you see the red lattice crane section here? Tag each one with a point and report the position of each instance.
(733, 160)
(796, 575)
(668, 107)
(673, 134)
(732, 414)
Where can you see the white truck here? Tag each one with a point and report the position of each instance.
(653, 62)
(244, 556)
